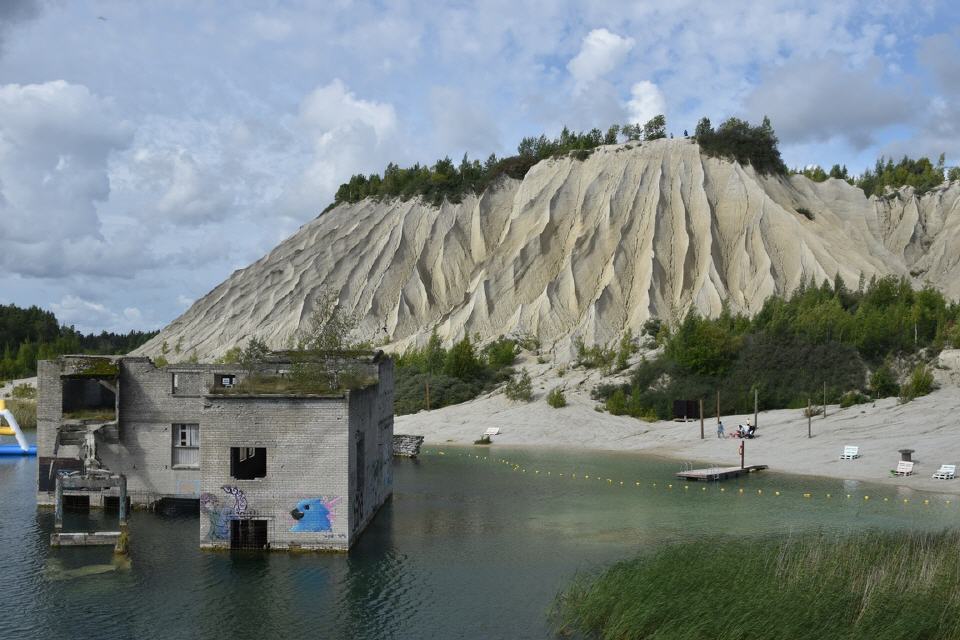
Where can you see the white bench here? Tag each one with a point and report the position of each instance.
(904, 468)
(849, 453)
(946, 472)
(492, 431)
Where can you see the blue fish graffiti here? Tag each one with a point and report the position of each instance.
(314, 514)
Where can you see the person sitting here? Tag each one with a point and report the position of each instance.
(752, 431)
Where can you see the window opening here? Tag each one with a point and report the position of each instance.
(247, 463)
(186, 445)
(248, 534)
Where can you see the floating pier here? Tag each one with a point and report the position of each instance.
(719, 473)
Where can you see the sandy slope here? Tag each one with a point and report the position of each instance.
(585, 248)
(929, 425)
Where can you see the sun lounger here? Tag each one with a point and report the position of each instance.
(849, 453)
(904, 468)
(492, 431)
(946, 472)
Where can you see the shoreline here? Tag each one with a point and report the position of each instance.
(929, 425)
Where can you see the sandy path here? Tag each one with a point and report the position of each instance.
(929, 425)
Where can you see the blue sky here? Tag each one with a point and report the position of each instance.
(148, 149)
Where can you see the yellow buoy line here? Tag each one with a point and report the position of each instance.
(689, 486)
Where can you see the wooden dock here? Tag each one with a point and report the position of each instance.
(719, 473)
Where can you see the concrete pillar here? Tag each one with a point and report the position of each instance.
(123, 501)
(58, 505)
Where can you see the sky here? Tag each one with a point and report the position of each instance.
(148, 149)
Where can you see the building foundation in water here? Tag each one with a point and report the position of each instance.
(292, 453)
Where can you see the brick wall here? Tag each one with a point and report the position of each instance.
(307, 465)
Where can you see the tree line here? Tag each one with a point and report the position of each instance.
(852, 341)
(447, 180)
(921, 174)
(31, 334)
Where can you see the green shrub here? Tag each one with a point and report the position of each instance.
(501, 353)
(520, 387)
(919, 384)
(24, 392)
(484, 439)
(556, 398)
(627, 348)
(806, 213)
(883, 382)
(596, 356)
(851, 398)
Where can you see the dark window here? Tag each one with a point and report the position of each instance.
(247, 463)
(80, 504)
(248, 534)
(89, 399)
(111, 504)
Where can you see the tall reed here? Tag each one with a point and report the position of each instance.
(876, 586)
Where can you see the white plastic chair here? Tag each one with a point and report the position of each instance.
(904, 468)
(946, 472)
(849, 453)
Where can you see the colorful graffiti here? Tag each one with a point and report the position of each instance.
(314, 514)
(220, 514)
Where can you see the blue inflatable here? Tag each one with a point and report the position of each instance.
(22, 448)
(15, 450)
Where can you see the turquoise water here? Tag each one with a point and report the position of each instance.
(475, 544)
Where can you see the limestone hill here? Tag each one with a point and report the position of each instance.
(584, 248)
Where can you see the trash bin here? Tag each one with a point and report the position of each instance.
(906, 455)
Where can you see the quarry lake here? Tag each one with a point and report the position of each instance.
(474, 544)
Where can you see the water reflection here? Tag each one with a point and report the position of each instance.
(469, 547)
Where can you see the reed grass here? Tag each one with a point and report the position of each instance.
(876, 586)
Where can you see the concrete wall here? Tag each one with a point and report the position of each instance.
(307, 469)
(371, 423)
(147, 412)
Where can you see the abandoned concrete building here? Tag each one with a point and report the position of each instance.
(280, 455)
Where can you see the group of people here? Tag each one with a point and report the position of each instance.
(743, 430)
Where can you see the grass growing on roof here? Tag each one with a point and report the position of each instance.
(876, 586)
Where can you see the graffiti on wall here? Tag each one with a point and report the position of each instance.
(221, 512)
(314, 514)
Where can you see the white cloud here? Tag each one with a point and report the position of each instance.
(345, 134)
(599, 54)
(89, 316)
(815, 100)
(646, 101)
(56, 139)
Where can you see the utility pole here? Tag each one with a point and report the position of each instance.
(824, 400)
(756, 395)
(809, 418)
(701, 418)
(718, 406)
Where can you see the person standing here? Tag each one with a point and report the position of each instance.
(720, 433)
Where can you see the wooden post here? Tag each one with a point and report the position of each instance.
(428, 393)
(701, 418)
(58, 505)
(743, 449)
(123, 501)
(718, 406)
(809, 418)
(824, 400)
(756, 395)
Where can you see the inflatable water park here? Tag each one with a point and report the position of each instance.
(9, 427)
